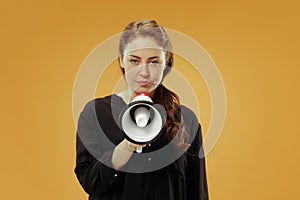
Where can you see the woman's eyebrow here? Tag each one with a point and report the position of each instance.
(134, 56)
(153, 57)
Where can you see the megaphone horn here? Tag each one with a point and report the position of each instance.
(141, 121)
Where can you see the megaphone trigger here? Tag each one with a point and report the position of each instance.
(139, 149)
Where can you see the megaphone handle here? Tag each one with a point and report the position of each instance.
(139, 149)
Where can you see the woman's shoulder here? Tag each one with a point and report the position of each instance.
(105, 100)
(104, 104)
(188, 114)
(98, 101)
(190, 121)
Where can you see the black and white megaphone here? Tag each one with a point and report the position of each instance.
(141, 120)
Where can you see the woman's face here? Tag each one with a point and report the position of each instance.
(144, 63)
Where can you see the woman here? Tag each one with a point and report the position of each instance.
(107, 165)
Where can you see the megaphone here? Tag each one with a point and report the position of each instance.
(141, 121)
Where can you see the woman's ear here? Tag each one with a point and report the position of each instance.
(120, 61)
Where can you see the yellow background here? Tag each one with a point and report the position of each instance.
(255, 45)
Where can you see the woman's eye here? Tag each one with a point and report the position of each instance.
(155, 62)
(133, 61)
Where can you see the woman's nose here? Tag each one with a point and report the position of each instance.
(144, 70)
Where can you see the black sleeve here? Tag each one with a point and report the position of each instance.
(95, 177)
(196, 172)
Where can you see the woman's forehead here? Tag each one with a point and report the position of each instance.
(142, 44)
(146, 53)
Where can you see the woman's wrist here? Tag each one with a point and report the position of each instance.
(126, 146)
(121, 154)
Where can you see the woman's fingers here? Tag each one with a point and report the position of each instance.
(133, 146)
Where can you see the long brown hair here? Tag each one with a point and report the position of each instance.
(169, 100)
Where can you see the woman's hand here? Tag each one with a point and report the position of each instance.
(129, 146)
(123, 152)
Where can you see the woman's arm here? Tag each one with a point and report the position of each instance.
(196, 171)
(97, 159)
(122, 153)
(93, 154)
(95, 177)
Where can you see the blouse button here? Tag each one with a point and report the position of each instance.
(149, 144)
(116, 175)
(149, 159)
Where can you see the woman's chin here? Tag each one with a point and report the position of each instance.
(144, 89)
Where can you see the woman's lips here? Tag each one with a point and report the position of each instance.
(143, 83)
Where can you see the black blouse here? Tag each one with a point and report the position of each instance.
(161, 172)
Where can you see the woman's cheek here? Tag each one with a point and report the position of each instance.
(130, 74)
(157, 75)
